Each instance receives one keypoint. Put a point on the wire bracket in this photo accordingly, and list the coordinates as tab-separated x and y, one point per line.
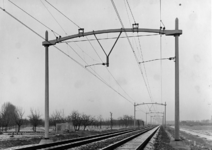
96	64
170	58
162	28
58	39
135	27
81	32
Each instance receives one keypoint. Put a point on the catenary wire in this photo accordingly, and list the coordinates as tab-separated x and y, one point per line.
140	48
112	74
90	44
53	17
141	110
54	46
84	51
145	73
131	48
93	74
65	54
131	11
127	12
21	22
135	43
126	1
62	14
48	28
144	65
76	25
67	43
93	48
160	12
161	22
146	82
33	17
66	33
83	60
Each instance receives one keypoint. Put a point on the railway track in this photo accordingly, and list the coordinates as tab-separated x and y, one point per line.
134	142
67	144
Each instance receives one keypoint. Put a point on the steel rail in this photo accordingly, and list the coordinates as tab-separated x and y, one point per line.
70	141
84	142
121	142
144	144
82	34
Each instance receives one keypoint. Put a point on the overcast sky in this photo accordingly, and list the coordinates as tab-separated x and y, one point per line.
72	87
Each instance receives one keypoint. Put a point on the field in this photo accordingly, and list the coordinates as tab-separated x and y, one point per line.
204	130
199	137
199	127
29	138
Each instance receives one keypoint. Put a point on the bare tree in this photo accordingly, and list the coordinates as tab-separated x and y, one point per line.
35	119
7	114
19	113
125	121
1	123
120	121
75	117
85	120
56	117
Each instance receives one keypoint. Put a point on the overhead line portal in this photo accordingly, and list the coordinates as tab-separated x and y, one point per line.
175	33
81	33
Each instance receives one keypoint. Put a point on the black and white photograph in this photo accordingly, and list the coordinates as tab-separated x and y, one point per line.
105	74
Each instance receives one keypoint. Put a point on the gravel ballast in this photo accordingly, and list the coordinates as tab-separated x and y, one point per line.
103	143
162	141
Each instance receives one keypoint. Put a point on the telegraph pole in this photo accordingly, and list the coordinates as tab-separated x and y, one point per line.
134	114
177	111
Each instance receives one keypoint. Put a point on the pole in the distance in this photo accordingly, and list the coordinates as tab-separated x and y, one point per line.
134	114
146	118
165	115
111	120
